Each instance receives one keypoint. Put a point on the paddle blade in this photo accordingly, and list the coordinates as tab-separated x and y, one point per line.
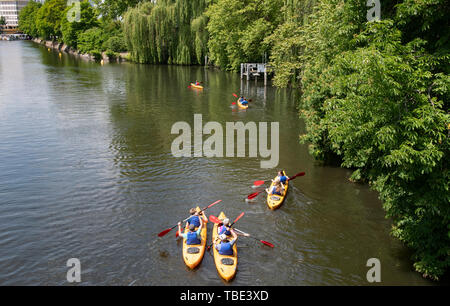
253	195
218	201
240	216
298	174
164	232
258	183
214	219
233	103
235	95
267	243
177	234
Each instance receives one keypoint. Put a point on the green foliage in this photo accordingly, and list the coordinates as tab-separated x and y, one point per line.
96	54
90	40
237	30
115	43
375	97
286	43
27	18
2	20
162	32
48	19
111	54
89	33
115	8
71	30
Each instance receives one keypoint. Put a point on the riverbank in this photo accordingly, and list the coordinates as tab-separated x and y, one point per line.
104	56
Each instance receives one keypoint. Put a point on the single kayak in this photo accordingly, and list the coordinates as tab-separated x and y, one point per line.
196	86
274	201
193	253
241	106
226	264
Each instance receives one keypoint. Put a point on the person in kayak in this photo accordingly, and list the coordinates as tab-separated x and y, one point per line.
225	227
243	101
225	246
277	189
281	177
194	218
197	83
193	236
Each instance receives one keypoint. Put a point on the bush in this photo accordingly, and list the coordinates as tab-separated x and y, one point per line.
115	43
111	55
96	54
91	39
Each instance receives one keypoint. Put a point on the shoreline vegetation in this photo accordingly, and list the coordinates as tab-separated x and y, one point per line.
374	94
96	57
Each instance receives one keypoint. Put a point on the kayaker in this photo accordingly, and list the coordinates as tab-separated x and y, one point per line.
281	177
224	227
277	189
225	246
243	101
193	236
195	217
197	83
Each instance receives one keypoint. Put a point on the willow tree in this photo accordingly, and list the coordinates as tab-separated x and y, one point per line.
168	32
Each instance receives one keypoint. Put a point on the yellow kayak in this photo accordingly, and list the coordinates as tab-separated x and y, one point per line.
193	253
241	106
196	86
275	201
226	264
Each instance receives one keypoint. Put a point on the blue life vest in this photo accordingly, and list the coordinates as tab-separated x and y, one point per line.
226	248
194	220
192	238
274	191
245	102
224	230
283	179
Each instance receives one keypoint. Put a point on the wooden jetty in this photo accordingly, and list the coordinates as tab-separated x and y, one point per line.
255	70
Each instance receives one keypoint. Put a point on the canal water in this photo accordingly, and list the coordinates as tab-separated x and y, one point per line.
86	171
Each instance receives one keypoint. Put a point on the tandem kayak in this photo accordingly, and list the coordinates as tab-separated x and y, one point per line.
226	264
196	86
274	201
241	106
193	253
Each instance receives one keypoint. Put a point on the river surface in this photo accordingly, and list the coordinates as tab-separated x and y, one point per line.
86	171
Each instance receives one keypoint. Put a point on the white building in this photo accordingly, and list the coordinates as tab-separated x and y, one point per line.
10	10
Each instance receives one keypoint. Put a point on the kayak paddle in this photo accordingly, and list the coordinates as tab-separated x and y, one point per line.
259	183
248	235
214	219
254	195
164	232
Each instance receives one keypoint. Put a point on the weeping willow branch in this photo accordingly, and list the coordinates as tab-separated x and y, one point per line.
167	32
